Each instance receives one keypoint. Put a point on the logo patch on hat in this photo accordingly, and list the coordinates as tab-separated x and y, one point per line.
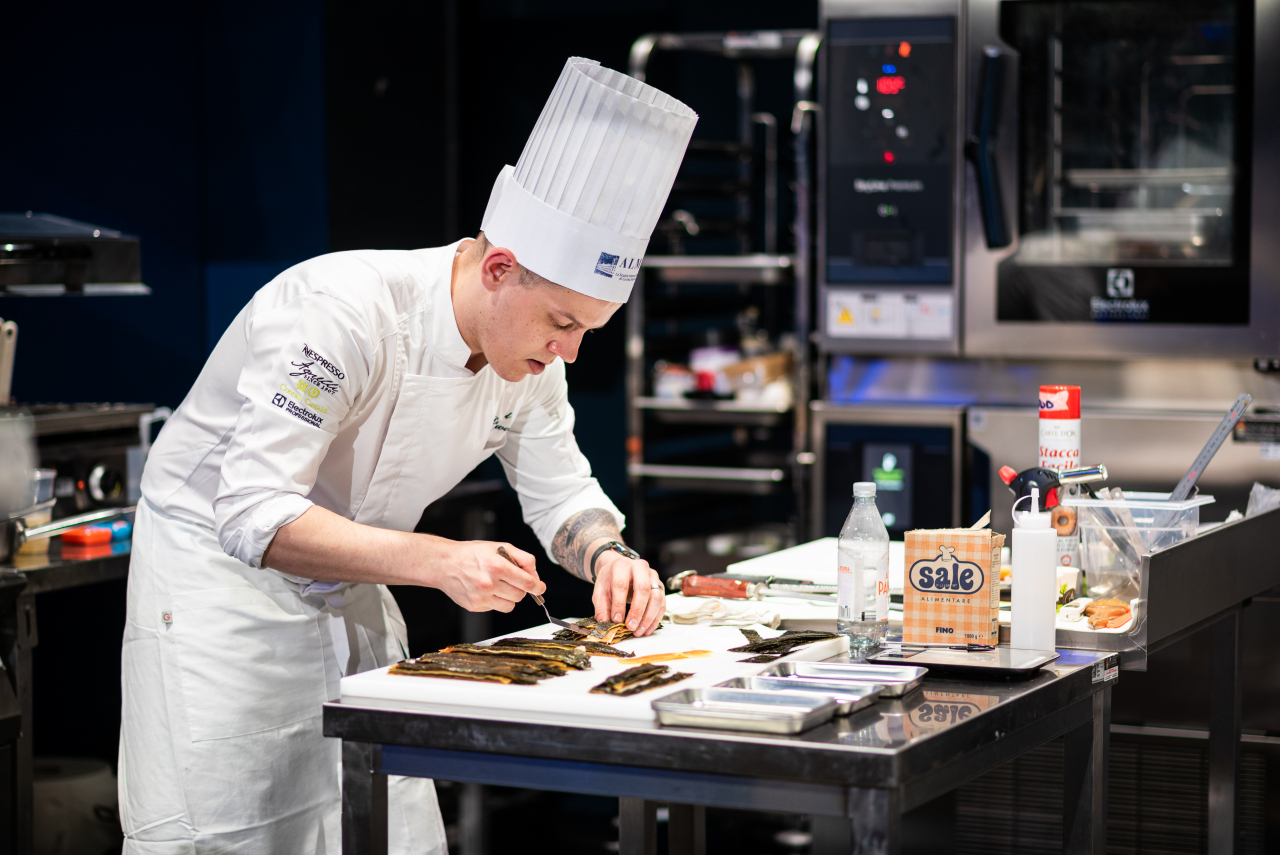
607	264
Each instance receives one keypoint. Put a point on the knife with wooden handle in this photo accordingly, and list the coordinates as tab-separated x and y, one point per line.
691	584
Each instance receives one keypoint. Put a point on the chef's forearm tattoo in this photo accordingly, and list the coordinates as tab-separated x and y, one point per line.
570	545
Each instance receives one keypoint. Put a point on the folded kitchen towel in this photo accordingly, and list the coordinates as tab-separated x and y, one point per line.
716	612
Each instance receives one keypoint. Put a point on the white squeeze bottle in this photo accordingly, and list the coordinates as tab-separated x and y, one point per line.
862	593
1034	609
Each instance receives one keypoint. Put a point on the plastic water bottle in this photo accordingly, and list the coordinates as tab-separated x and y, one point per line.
862	594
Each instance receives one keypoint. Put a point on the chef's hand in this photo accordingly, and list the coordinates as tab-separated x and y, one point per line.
619	579
481	580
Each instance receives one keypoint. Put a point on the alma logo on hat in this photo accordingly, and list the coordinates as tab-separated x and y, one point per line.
607	264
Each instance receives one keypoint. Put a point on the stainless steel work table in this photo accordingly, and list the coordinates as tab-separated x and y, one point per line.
865	770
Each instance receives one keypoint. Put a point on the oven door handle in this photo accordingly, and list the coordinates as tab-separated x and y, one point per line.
981	148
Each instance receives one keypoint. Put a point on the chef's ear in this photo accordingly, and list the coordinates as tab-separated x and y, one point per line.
499	267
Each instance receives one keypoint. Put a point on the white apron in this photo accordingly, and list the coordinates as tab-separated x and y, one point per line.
225	667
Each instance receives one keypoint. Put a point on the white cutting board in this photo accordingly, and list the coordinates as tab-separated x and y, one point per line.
568	697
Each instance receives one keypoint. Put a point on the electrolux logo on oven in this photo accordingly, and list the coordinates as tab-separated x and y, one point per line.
1120	283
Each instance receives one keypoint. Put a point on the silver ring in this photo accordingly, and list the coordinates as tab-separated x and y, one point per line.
655	587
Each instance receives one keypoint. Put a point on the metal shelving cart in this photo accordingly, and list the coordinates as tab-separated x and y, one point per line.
682	451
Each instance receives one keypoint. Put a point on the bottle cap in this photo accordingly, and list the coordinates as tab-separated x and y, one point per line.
1034	518
1028	519
864	488
1059	402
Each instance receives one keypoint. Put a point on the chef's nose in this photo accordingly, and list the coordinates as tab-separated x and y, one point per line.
567	347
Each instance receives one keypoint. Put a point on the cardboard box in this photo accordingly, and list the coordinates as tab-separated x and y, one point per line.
951	592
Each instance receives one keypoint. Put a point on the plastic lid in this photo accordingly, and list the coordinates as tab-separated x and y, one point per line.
1034	518
1027	519
864	488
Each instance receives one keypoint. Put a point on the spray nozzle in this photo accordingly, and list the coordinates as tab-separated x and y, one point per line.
1036	517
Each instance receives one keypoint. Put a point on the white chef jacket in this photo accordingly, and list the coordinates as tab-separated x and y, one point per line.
293	408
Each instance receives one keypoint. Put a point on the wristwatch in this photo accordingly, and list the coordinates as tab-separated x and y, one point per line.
620	548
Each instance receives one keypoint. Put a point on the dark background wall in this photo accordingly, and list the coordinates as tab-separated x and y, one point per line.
236	139
197	127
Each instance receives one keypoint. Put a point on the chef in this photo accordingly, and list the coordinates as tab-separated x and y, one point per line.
354	390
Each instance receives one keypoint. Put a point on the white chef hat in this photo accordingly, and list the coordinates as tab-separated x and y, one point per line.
579	206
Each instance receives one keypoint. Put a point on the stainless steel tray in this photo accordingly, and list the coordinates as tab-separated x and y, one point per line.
742	709
849	697
897	680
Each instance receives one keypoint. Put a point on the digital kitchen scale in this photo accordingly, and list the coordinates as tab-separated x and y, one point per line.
999	662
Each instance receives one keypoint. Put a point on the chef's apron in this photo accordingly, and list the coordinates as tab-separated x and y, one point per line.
225	667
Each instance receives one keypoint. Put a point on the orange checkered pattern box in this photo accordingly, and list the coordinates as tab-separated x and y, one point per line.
951	588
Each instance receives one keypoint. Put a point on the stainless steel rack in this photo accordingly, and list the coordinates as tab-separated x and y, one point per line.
754	477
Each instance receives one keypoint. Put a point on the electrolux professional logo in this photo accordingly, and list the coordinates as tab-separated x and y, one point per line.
1120	283
278	400
607	264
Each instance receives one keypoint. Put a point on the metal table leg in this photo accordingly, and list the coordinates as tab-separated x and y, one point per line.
364	800
687	830
1224	735
637	827
17	638
1086	757
473	820
873	826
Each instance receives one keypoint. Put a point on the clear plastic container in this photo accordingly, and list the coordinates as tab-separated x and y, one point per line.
1114	535
862	611
41	491
41	485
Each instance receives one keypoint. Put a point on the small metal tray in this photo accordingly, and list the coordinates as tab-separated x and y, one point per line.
849	698
896	680
742	709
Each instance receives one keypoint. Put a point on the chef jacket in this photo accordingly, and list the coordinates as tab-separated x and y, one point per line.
343	384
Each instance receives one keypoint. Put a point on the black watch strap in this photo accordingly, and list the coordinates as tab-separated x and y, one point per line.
620	548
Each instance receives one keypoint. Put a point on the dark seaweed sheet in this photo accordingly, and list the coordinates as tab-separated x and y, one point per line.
460	666
784	643
574	658
760	659
639	679
468	666
599	631
595	648
654	683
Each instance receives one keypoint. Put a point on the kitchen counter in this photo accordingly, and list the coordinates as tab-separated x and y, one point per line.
861	772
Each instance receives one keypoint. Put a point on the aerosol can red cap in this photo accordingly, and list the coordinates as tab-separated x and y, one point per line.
1007	474
1059	402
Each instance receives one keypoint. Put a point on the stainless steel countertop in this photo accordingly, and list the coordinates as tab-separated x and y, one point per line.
888	744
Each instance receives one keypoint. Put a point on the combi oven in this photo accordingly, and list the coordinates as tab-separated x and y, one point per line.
1052	178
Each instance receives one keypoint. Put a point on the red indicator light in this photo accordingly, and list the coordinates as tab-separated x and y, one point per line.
904	50
888	157
890	85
